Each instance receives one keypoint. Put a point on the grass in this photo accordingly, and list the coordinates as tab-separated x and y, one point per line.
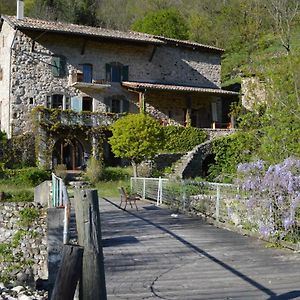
109	189
16	192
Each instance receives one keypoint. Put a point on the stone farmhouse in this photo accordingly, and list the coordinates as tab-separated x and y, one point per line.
64	82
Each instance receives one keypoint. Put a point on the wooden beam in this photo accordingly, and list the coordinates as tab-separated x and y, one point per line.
142	102
92	284
188	117
68	273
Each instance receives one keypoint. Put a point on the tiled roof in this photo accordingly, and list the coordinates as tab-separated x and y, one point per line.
74	29
97	32
188	44
175	88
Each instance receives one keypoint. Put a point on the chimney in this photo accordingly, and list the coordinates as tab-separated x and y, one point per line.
20	9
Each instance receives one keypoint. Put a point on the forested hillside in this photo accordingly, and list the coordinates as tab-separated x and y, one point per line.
261	39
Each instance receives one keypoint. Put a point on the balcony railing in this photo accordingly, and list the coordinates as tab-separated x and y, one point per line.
50	117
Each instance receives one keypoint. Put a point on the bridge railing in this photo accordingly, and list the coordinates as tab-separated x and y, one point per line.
225	203
61	199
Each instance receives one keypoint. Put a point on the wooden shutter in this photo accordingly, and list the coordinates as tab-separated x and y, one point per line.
76	103
125	105
108	72
55	66
58	64
125	73
87	73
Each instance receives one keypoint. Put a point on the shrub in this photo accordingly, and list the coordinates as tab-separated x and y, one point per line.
29	176
28	216
182	139
116	173
94	170
60	170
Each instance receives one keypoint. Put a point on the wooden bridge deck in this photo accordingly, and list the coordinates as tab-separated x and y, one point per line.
151	255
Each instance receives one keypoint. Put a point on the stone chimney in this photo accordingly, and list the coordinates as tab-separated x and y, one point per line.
20	9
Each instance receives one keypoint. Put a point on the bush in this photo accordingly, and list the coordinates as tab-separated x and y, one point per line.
116	173
29	176
94	170
60	170
182	139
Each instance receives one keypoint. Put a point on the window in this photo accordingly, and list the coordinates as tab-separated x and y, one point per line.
58	101
58	64
116	72
79	104
117	104
87	104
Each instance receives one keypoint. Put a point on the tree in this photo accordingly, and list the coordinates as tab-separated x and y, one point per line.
284	13
136	137
166	22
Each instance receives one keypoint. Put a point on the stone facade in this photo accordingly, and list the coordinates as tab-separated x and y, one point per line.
31	57
29	243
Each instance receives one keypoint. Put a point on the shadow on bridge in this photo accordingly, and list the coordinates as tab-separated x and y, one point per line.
272	296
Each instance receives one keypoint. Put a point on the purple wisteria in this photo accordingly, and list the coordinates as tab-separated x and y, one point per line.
273	197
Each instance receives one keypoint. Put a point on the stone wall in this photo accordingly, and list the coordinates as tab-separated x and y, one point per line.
27	243
32	80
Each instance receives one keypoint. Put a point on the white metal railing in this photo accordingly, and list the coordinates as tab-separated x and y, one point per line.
61	199
149	187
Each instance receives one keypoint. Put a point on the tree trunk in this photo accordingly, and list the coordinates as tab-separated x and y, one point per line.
134	166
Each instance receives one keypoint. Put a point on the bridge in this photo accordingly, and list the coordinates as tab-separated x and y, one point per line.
153	253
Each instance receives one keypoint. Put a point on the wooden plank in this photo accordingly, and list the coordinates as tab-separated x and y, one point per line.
68	274
92	284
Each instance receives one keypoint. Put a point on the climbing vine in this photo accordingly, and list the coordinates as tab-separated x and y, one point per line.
53	124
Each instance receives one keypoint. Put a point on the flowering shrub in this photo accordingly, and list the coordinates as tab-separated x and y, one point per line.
273	197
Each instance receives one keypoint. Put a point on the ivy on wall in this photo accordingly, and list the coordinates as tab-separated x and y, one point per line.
182	139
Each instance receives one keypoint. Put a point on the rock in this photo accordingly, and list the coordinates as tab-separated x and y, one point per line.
22	277
2	286
18	288
25	297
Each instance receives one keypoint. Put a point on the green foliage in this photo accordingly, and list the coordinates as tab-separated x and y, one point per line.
182	139
165	22
230	151
94	170
60	170
27	216
115	173
136	137
19	196
27	176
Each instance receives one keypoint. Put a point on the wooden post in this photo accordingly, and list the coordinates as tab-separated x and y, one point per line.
92	284
142	102
68	274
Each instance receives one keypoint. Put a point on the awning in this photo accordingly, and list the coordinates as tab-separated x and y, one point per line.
142	86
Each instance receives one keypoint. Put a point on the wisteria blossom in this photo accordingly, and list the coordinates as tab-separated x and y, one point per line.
273	196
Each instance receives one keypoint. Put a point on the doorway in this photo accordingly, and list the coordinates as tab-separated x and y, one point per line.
69	153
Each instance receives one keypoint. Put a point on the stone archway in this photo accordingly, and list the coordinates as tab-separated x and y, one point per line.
69	153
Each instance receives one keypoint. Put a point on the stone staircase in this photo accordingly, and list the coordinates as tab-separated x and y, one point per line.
190	165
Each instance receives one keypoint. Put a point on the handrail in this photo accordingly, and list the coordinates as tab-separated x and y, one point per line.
61	199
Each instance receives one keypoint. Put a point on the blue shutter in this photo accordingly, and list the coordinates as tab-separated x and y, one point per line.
125	73
76	103
87	73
